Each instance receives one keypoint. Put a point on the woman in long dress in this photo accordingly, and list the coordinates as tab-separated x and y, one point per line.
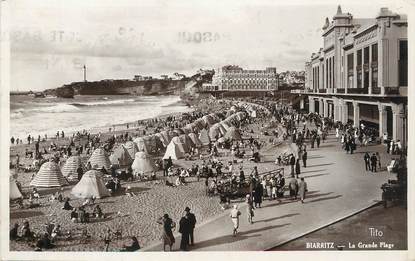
302	189
167	233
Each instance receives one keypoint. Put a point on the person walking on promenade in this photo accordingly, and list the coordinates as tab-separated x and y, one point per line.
302	189
249	209
318	141
378	160
107	239
373	161
184	229
304	158
312	141
366	158
192	220
293	186
235	213
167	233
292	164
258	194
297	168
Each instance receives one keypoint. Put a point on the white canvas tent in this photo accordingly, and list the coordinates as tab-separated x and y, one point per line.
121	157
143	163
204	137
49	175
14	190
173	151
91	185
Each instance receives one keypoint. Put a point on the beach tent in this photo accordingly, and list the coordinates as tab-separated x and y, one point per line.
71	166
209	120
131	148
142	145
173	151
188	128
184	138
183	147
197	143
179	131
49	175
226	125
14	190
199	124
91	185
163	139
233	134
121	157
215	132
99	159
155	143
143	163
204	137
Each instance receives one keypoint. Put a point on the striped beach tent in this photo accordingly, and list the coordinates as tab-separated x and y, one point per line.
49	175
99	159
195	140
131	148
121	157
141	145
183	147
165	141
184	138
91	185
143	163
14	190
71	166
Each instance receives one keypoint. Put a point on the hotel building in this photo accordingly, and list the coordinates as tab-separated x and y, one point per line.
234	78
361	72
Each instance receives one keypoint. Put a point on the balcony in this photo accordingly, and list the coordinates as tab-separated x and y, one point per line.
358	90
391	90
322	90
376	90
340	90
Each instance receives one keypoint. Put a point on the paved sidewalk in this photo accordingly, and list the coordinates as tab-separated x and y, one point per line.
338	185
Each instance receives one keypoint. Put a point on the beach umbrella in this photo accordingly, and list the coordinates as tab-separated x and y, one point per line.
91	185
99	159
173	151
143	163
121	157
49	175
131	148
233	134
70	168
14	192
197	143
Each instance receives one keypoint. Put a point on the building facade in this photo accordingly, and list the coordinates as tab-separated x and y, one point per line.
234	78
361	72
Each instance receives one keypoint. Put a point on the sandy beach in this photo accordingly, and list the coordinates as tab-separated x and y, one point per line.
137	215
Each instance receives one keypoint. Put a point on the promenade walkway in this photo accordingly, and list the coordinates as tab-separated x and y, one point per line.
338	187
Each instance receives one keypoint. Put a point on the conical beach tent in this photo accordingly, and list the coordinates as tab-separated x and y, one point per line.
99	159
91	185
121	157
184	138
71	166
195	140
49	175
143	163
173	151
14	190
183	147
204	137
131	148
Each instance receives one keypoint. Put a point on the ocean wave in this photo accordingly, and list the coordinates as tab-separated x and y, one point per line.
16	114
106	102
58	108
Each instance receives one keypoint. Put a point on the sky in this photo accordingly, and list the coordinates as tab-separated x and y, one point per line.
52	40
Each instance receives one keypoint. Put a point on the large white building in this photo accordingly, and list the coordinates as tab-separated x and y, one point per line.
361	72
234	78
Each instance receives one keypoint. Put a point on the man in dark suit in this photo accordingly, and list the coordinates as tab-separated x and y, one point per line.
184	229
192	224
373	161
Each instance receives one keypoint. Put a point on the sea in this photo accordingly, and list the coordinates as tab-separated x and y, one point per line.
95	113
